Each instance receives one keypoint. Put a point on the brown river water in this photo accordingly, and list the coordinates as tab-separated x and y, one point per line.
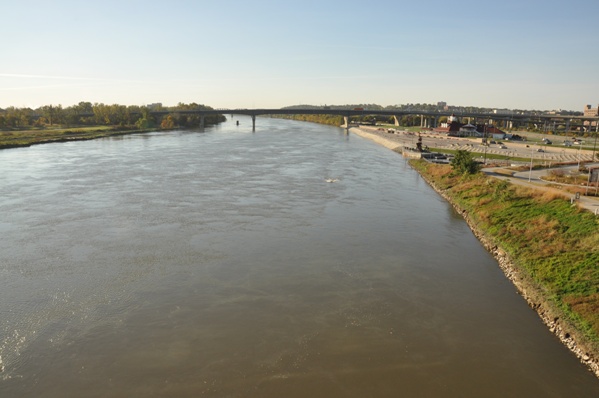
223	264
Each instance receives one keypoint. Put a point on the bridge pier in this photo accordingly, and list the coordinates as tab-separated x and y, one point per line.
426	122
346	123
253	122
202	122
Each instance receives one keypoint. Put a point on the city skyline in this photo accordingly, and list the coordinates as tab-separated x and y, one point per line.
267	54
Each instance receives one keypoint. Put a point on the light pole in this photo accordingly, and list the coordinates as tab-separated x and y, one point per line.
530	171
595	143
486	143
593	158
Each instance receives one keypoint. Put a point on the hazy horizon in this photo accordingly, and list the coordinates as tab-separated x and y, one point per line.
537	55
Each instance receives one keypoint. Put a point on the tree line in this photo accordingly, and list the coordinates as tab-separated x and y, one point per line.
88	114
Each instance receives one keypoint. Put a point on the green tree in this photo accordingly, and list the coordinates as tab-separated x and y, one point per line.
463	163
52	114
143	123
82	113
18	117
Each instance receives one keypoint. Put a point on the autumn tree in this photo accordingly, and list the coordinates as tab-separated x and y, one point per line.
167	122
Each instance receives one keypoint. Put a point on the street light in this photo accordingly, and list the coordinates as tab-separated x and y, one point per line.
588	182
486	143
530	171
595	144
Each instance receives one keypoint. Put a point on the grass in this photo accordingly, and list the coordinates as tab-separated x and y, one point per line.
554	243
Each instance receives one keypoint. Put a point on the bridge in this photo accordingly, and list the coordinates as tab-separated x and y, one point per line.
428	118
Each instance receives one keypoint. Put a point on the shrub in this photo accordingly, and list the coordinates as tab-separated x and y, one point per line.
463	163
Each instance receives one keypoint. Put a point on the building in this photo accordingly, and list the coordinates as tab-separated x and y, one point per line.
454	128
451	126
589	111
155	106
469	130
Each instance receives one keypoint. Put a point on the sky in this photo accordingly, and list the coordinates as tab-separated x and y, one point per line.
514	54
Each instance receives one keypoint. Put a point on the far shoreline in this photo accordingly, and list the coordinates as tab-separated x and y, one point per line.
551	316
69	135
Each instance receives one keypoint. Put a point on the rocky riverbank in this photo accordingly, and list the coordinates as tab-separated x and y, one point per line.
576	342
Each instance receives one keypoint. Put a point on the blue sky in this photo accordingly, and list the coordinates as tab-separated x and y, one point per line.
524	54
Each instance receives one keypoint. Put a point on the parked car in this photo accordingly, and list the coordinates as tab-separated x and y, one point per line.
568	143
540	150
502	146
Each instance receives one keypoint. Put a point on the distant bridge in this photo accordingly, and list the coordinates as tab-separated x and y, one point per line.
427	118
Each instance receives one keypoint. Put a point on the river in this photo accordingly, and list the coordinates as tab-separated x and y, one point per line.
223	264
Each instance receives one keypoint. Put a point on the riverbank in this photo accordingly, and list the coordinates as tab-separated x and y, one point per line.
27	138
540	297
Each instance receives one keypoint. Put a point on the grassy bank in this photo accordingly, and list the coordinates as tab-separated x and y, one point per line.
552	245
24	138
